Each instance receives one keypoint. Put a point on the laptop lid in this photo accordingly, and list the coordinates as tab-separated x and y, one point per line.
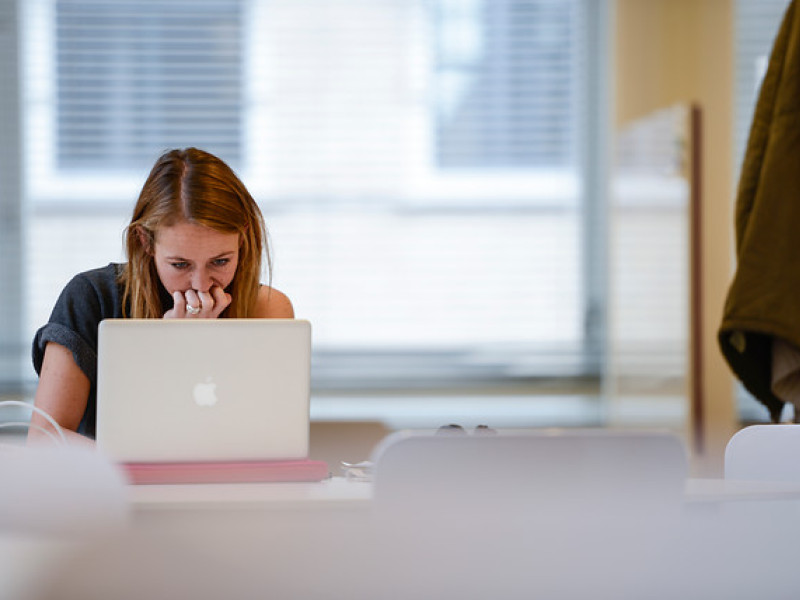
203	390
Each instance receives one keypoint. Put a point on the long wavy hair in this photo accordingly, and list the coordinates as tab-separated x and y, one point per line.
197	187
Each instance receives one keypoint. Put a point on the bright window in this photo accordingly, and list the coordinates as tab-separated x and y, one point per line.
420	164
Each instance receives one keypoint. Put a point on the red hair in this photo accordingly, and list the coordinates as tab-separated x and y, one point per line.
196	187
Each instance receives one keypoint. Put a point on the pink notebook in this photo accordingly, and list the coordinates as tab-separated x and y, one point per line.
226	471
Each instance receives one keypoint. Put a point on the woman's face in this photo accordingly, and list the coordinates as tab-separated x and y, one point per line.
194	257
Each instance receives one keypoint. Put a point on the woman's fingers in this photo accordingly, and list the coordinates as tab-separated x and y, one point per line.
206	304
193	304
178	310
221	299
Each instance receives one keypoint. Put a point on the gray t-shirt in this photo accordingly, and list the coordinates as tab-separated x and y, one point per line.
87	299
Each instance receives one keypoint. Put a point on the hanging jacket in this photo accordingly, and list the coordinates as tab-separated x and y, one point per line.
763	302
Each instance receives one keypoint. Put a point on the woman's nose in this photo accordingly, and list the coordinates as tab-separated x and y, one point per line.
201	281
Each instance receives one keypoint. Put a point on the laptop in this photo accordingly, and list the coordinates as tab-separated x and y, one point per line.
178	391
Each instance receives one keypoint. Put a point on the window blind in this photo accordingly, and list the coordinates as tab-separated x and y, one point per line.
416	162
757	24
506	83
135	77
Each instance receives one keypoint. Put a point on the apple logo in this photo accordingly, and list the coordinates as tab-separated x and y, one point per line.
205	393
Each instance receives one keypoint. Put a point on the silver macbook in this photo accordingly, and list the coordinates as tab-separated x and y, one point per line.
203	390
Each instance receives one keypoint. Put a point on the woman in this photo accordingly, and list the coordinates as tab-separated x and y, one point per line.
194	250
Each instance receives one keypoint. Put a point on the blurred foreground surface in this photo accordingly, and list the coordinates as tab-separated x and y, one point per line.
494	533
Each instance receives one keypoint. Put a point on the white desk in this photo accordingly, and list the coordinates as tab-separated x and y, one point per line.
727	490
340	493
333	493
312	540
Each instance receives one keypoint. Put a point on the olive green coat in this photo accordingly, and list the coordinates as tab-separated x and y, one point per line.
764	296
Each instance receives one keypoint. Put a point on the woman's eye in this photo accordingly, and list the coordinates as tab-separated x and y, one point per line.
221	262
180	264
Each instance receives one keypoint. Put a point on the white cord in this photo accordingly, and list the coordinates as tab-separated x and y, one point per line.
47	432
39	411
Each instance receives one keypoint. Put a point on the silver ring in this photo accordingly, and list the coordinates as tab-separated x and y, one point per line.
192	310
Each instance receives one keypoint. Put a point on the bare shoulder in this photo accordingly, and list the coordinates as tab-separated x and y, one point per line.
273	304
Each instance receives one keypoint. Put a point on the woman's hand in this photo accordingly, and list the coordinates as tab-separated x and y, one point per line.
192	304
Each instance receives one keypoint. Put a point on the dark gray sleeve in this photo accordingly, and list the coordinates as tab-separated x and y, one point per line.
83	352
86	300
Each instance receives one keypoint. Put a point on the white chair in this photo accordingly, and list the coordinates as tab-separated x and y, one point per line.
764	453
543	513
59	490
540	474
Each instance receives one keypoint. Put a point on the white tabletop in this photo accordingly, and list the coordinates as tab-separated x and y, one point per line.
731	490
252	543
341	493
332	493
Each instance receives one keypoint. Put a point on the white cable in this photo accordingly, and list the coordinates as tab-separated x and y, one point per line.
39	411
47	432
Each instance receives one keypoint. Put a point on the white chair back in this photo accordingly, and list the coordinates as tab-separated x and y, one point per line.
534	475
57	489
61	491
764	453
